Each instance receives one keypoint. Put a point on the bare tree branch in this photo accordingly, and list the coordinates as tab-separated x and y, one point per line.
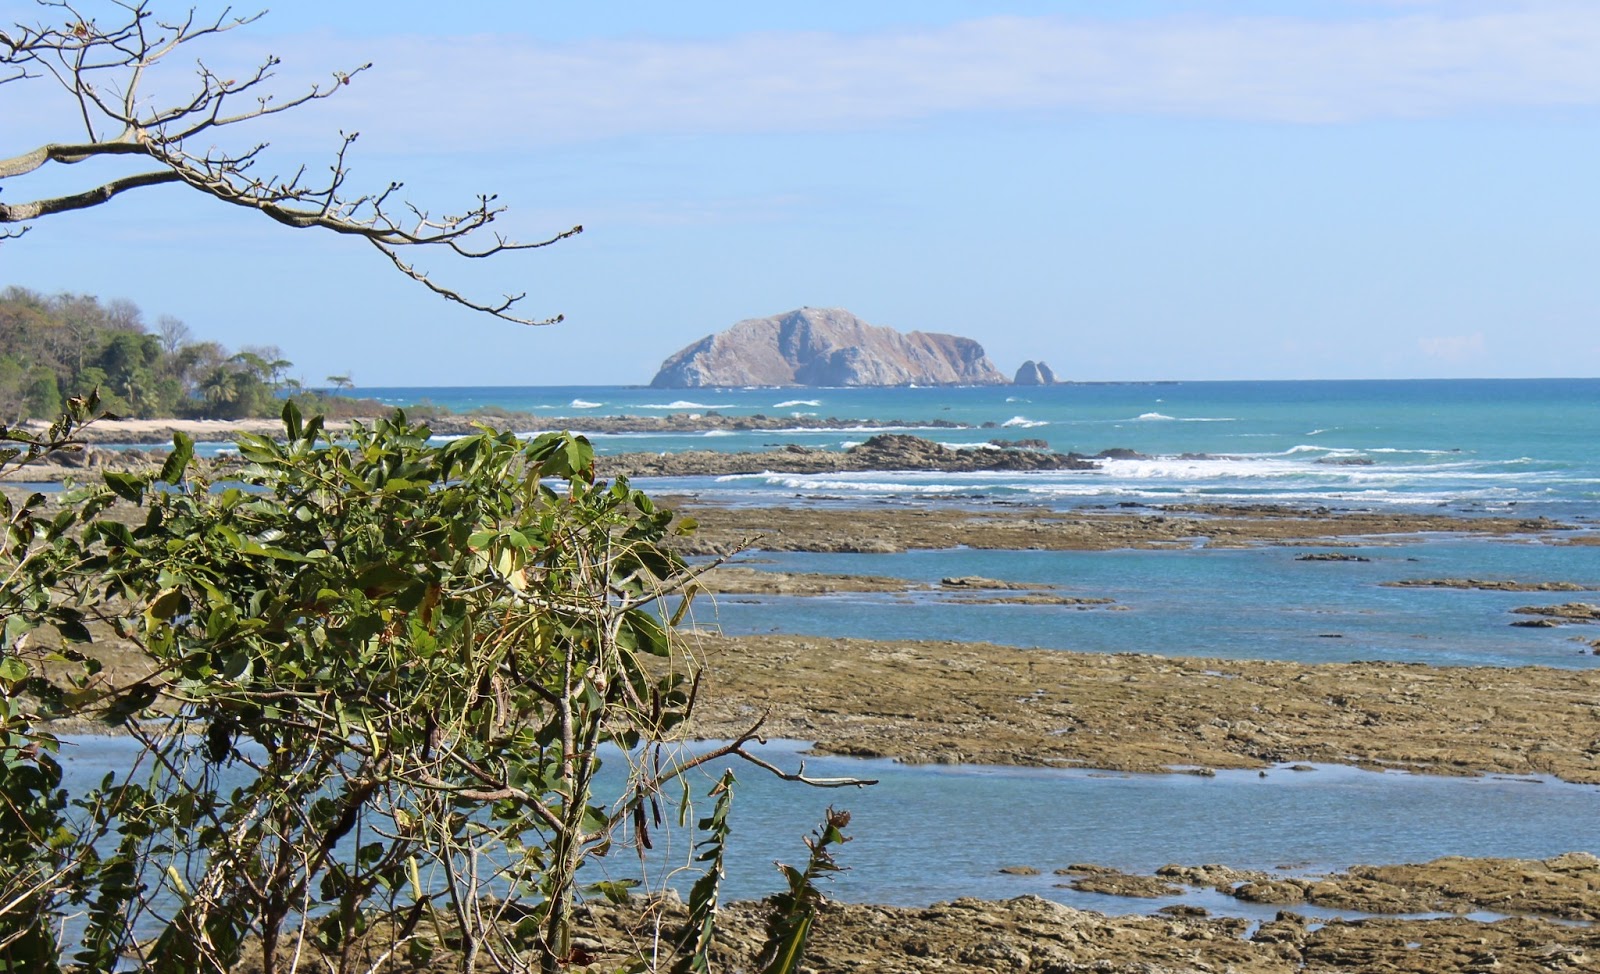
14	213
103	69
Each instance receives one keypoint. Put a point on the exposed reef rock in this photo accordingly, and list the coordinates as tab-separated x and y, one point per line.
1035	374
825	347
1496	585
886	451
1032	935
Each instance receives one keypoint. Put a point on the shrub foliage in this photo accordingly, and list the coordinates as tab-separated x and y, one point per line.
375	680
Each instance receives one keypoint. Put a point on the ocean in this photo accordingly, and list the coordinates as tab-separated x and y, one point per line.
1526	445
1526	448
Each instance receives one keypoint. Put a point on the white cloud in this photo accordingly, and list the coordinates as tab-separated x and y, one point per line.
508	91
512	90
1453	349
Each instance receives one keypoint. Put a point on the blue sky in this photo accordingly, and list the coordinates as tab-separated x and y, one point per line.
1148	189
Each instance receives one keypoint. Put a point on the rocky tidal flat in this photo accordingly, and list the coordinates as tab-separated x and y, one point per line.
935	702
1032	934
803	527
923	701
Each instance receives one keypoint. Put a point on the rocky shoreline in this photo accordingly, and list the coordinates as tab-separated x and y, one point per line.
886	451
1538	901
156	432
930	701
924	701
889	529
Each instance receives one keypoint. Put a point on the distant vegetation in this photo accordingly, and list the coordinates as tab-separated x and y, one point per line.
57	346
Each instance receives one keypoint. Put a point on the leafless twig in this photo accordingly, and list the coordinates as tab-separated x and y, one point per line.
103	69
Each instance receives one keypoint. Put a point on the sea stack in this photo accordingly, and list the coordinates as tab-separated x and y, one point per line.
1034	374
826	347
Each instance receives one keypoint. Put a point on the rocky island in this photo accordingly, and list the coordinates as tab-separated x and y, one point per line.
825	347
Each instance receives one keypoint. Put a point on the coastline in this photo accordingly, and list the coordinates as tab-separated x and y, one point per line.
923	701
156	432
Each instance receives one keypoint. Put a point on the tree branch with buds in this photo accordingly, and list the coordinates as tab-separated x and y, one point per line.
103	70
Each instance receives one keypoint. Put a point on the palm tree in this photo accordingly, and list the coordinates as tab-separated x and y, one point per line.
220	386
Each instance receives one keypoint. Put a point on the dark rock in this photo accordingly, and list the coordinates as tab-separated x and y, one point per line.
825	347
1489	586
1555	615
979	582
886	451
1331	556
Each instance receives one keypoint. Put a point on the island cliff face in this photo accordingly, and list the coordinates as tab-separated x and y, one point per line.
825	347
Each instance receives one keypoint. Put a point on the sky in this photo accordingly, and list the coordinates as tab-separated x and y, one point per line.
1139	190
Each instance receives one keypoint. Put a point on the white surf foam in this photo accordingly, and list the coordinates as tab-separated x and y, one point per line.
684	404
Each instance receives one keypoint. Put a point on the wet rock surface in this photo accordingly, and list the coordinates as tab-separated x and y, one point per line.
1491	585
1565	887
1035	936
938	702
886	451
813	527
1567	612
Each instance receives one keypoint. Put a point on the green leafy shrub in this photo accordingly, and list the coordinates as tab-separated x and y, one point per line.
375	679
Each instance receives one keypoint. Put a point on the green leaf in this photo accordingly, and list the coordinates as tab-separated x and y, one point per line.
113	533
167	603
291	421
615	891
382	579
266	551
646	633
12	669
69	622
126	485
177	460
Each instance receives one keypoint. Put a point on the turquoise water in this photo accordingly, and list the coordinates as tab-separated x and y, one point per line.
1469	445
1258	603
1507	447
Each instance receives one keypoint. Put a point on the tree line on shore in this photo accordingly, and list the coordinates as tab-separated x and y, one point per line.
54	347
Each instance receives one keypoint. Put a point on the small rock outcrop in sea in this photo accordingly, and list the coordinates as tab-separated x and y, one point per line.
1034	374
886	451
825	347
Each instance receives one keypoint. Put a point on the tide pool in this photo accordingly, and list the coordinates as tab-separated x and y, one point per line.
1253	603
928	833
